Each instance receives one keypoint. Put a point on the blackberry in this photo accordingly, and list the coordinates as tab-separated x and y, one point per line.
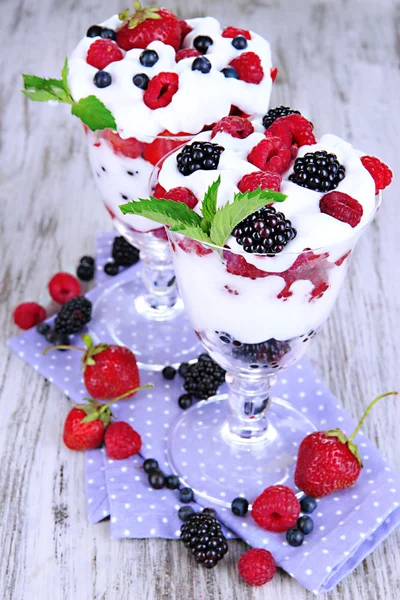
268	353
202	534
202	43
276	113
204	378
124	253
199	156
73	315
318	171
264	232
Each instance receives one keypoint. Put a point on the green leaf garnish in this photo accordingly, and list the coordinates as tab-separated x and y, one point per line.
193	232
166	212
93	113
209	206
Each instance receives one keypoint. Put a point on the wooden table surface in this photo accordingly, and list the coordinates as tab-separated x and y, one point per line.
339	63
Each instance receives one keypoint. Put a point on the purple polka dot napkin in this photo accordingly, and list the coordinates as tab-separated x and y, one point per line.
347	526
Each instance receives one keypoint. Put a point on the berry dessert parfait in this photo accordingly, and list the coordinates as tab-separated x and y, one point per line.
143	83
259	262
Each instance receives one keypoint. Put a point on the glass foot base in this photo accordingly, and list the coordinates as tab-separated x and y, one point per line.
219	468
156	337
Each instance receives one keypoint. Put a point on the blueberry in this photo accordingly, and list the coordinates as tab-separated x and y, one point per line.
156	480
172	482
141	81
185	512
111	269
94	31
240	506
57	339
150	464
148	58
87	260
305	524
239	42
202	43
102	79
294	537
168	372
108	34
85	272
183	369
202	64
308	504
186	495
185	401
230	72
43	328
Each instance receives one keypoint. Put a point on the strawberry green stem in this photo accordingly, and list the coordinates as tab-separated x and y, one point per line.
129	393
357	429
61	347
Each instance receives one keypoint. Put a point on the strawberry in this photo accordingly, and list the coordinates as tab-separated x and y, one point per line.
329	461
162	145
130	147
122	441
146	25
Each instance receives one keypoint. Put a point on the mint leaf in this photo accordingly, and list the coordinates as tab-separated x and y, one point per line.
209	206
43	90
93	113
193	232
166	212
243	205
64	75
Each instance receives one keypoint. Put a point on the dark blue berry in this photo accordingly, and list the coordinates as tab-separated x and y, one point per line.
87	260
57	339
111	269
85	272
183	369
305	524
202	43
202	64
94	31
172	482
102	79
239	42
43	328
186	495
240	506
209	511
150	464
141	81
168	372
156	480
294	537
185	401
148	58
108	34
308	504
185	512
230	72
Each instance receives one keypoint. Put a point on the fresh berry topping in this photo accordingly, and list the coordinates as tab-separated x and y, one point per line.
202	534
204	378
102	79
342	207
380	172
156	480
141	81
231	32
108	34
168	373
185	29
273	72
186	495
186	53
63	287
271	154
308	504
147	25
264	232
294	130
276	509
28	314
202	43
88	435
150	464
192	247
239	507
202	64
130	147
148	58
275	113
111	269
73	315
256	566
57	339
264	353
248	65
185	401
239	42
85	272
172	482
183	369
103	52
159	191
87	260
264	181
209	511
124	254
121	441
294	537
161	90
181	194
198	156
230	73
185	512
318	171
305	524
43	328
94	31
237	127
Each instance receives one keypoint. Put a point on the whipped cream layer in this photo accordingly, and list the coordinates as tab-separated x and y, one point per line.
202	99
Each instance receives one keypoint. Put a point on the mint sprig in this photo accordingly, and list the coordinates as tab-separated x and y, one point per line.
90	110
166	212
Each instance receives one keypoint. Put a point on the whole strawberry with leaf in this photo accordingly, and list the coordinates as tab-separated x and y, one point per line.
329	461
146	25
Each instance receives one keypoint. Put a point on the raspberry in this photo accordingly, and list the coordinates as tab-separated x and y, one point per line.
275	113
186	53
73	315
237	127
271	154
265	181
380	172
264	232
276	509
248	66
159	191
185	29
182	194
130	147
256	566
190	246
273	72
342	207
231	32
162	145
292	129
103	52
122	441
238	265
63	287
161	90
28	314
160	233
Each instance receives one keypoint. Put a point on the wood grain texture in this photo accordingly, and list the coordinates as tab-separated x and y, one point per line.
339	63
